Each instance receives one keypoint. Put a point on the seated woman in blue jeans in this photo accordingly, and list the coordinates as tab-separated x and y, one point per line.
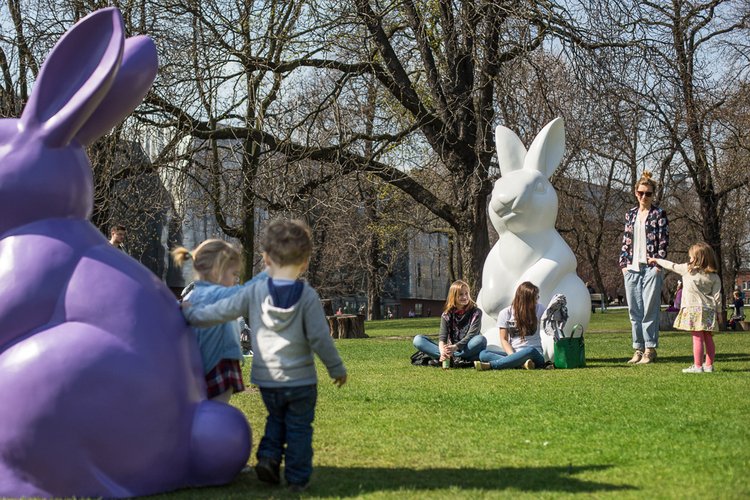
519	333
460	338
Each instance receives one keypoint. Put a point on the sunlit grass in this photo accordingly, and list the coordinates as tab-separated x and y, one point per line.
607	431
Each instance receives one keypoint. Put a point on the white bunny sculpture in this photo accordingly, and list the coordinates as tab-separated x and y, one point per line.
523	210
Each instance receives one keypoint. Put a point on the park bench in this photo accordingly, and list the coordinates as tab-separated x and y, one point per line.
599	300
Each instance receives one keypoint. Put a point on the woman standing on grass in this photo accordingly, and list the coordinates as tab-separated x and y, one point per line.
519	333
460	339
646	236
701	302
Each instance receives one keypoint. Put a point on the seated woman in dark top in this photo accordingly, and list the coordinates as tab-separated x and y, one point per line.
460	339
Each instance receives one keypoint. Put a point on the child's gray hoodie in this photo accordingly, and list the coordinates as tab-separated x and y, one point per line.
283	339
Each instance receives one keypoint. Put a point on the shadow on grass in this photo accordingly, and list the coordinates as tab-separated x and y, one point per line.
354	481
720	358
345	482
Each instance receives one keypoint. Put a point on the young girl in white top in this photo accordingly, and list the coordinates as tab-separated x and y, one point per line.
701	302
519	333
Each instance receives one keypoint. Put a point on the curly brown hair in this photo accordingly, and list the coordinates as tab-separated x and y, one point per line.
287	241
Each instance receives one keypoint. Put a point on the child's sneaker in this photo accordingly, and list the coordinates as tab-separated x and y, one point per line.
708	368
694	369
297	488
267	470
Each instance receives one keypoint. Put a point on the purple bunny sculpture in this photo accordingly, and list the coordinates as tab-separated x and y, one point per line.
101	388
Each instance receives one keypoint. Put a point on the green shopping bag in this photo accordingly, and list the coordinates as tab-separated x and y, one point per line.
570	352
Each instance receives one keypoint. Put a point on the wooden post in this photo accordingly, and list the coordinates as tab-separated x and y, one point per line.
327	306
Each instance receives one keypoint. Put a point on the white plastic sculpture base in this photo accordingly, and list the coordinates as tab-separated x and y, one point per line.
523	210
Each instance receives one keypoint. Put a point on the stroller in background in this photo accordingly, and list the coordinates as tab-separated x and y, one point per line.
734	321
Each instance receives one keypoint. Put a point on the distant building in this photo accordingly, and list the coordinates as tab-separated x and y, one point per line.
419	283
421	279
145	207
742	281
192	218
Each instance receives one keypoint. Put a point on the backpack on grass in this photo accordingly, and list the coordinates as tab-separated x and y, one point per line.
420	359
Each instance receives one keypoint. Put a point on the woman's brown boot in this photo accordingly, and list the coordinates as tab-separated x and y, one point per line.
648	357
636	357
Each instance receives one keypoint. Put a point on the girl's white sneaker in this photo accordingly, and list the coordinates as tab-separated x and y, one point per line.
708	368
694	369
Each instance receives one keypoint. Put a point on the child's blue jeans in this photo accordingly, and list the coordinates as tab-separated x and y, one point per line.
291	411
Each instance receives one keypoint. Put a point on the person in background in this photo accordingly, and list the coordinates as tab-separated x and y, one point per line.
646	236
117	234
701	303
519	333
739	304
592	291
460	340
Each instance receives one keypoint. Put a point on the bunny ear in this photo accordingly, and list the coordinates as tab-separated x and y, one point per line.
548	148
134	78
75	77
510	150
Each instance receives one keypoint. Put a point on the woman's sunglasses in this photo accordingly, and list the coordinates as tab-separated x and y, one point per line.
647	194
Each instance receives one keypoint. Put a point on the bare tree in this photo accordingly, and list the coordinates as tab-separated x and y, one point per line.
680	40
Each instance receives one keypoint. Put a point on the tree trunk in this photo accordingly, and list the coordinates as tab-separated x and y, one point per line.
474	242
247	231
369	198
347	326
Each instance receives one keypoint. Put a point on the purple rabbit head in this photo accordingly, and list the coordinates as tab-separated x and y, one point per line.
90	81
102	393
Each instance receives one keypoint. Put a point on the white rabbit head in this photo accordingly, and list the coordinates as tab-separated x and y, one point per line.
523	200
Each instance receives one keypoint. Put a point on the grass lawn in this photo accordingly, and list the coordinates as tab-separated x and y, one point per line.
606	431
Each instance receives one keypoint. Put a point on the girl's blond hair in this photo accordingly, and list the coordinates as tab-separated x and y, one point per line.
702	258
210	259
453	292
